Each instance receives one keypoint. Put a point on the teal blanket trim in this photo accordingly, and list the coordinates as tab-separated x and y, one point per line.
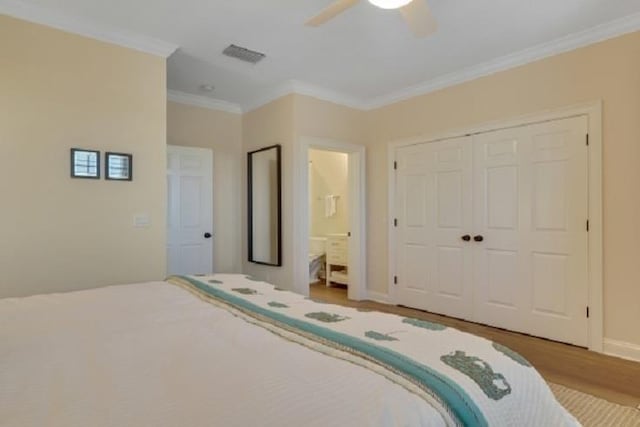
449	392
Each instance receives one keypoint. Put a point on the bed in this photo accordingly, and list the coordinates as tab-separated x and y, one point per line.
228	350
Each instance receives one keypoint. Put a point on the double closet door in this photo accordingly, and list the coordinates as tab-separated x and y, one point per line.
492	228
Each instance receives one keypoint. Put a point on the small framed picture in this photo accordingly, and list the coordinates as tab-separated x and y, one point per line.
118	166
85	163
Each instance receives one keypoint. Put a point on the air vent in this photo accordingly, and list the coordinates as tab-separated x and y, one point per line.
243	54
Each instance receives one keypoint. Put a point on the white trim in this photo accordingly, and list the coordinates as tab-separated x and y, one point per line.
203	101
391	209
268	96
301	88
380	297
622	349
593	110
84	27
567	43
357	214
564	44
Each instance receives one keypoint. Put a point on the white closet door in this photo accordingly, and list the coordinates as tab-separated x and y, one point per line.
558	239
433	204
521	195
501	208
530	270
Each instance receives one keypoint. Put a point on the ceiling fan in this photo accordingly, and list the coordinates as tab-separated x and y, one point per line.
416	14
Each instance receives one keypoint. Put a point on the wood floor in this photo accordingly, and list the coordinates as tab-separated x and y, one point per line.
610	378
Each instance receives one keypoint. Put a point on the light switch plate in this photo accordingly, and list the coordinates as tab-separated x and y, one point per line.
142	220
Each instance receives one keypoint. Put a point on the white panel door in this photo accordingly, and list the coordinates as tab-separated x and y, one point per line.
501	211
433	204
189	210
530	207
520	194
558	236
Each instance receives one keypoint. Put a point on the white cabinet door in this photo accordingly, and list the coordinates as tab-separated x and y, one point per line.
521	194
189	210
433	205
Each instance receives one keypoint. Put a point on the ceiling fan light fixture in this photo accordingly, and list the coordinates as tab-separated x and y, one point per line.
390	4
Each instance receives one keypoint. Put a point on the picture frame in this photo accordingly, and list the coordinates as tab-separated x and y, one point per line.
118	166
85	163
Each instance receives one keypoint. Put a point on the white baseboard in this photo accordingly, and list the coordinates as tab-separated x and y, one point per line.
378	297
622	349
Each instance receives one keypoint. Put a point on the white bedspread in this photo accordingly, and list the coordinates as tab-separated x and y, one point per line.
153	354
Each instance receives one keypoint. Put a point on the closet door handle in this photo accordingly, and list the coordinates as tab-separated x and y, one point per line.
466	238
478	238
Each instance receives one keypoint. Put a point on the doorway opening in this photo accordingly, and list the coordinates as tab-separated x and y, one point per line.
328	217
329	238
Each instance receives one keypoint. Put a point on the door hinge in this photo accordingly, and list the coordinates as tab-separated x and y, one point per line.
395	280
395	165
395	222
587	139
587	225
587	312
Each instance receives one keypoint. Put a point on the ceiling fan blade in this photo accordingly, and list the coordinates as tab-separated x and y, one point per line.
419	18
330	12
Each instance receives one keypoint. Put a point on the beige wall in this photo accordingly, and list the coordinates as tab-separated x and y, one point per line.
328	175
609	71
323	119
284	121
59	91
222	133
269	125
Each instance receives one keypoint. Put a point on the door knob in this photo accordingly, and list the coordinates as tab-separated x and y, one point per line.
466	237
207	235
478	238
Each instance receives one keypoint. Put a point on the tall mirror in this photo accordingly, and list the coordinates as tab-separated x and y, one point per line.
265	196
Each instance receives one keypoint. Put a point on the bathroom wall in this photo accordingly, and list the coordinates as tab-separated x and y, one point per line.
328	175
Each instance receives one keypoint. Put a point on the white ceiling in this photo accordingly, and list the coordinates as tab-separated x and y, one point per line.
362	57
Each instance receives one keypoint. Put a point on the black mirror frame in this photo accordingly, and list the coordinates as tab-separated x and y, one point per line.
278	149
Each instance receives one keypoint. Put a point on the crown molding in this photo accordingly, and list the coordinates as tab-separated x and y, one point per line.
203	102
21	10
84	27
287	88
302	88
564	44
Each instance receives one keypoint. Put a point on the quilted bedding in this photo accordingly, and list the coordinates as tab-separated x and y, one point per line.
226	350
